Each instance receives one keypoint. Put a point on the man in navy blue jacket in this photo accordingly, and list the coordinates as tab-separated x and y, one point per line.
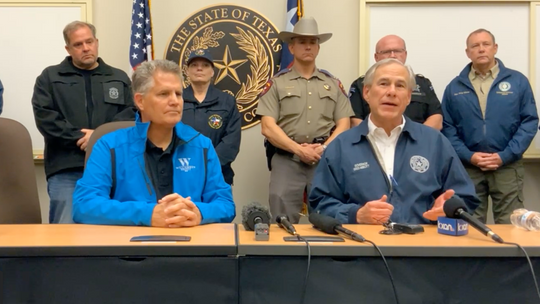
490	118
389	167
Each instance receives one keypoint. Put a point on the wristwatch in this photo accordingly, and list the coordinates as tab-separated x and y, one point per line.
324	147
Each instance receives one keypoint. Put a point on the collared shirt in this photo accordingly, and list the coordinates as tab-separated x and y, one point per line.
159	165
304	108
386	144
482	84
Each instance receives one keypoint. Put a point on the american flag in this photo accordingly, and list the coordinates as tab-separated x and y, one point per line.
141	46
295	11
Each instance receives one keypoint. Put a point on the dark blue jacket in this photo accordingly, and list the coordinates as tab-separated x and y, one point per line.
197	174
510	123
217	118
425	165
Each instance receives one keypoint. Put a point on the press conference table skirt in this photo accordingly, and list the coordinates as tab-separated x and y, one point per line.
427	268
224	264
86	264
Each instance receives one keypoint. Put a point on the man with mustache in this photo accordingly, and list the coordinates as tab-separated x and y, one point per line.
300	106
70	100
490	118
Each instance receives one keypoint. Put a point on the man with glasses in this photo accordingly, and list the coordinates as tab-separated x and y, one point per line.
425	107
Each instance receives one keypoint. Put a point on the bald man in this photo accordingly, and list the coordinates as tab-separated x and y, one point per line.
424	108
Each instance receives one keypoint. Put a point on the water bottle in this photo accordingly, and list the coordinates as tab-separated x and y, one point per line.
525	219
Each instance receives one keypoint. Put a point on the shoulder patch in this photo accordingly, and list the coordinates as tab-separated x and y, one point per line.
325	72
267	87
282	72
340	85
423	81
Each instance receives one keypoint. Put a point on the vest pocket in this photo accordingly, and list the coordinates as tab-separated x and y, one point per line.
113	92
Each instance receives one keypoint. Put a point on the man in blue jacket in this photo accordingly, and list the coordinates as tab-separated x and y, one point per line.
389	167
159	173
490	118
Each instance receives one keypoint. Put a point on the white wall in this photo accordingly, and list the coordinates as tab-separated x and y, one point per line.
340	56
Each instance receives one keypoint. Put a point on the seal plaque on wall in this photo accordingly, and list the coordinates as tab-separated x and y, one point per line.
244	46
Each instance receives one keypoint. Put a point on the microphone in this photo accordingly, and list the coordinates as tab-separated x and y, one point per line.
257	218
283	222
455	208
332	226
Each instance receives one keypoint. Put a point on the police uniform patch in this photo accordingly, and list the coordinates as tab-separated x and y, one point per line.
215	121
352	90
267	87
504	86
419	164
113	93
341	87
326	86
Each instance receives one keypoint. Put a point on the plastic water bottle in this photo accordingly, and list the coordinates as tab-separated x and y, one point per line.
523	218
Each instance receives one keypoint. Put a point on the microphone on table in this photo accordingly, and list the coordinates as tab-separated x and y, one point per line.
455	208
284	223
257	218
332	226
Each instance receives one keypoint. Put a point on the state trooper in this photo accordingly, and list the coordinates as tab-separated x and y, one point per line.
302	110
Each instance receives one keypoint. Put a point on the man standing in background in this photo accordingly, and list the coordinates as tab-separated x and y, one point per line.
425	107
70	100
299	108
490	118
1	97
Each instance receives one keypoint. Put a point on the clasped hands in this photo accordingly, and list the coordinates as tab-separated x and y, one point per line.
379	211
310	153
486	161
174	211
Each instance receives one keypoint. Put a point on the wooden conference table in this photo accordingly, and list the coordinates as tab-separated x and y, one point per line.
224	264
98	264
427	268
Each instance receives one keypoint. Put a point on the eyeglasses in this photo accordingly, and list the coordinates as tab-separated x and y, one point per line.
388	52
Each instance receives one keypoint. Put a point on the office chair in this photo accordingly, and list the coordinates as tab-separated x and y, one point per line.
102	130
19	199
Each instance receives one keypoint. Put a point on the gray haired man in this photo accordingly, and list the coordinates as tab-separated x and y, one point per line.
70	100
166	173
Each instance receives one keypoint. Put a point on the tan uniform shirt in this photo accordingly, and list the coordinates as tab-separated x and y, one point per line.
304	108
482	84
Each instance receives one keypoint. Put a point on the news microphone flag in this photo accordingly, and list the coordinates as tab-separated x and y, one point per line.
295	11
450	226
141	46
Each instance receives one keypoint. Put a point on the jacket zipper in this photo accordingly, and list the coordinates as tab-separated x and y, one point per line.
146	179
378	157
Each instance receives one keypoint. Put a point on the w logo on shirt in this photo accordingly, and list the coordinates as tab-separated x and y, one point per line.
184	164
